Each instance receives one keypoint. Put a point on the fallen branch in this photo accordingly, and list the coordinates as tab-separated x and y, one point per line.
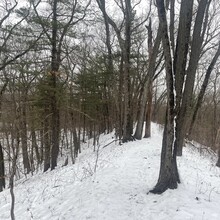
111	143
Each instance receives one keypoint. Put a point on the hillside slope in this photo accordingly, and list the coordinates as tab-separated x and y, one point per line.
118	190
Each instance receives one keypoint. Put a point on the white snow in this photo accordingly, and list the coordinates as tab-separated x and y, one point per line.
118	190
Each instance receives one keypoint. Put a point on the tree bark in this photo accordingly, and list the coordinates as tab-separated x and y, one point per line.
23	125
168	176
2	169
127	120
55	63
183	113
148	113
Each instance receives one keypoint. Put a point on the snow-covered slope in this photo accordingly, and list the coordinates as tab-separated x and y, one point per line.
118	190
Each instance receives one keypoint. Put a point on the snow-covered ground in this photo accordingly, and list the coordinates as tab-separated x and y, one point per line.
118	190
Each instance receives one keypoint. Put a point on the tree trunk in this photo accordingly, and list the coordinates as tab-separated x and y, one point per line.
46	140
153	52
55	63
23	135
185	94
217	145
2	169
203	89
148	113
127	120
2	162
35	146
168	177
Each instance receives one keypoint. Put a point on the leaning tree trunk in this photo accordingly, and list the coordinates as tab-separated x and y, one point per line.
203	89
145	98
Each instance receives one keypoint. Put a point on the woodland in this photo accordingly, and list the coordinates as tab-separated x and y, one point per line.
71	70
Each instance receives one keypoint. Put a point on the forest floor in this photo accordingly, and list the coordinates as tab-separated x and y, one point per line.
119	189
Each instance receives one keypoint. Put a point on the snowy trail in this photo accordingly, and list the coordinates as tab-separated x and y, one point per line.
119	189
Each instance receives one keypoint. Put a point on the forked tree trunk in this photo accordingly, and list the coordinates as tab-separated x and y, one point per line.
168	177
184	93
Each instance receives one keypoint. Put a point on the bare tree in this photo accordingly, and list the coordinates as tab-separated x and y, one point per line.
168	177
180	79
124	32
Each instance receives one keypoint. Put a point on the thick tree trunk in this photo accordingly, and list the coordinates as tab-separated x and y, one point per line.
127	120
185	94
53	78
218	162
168	177
180	59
